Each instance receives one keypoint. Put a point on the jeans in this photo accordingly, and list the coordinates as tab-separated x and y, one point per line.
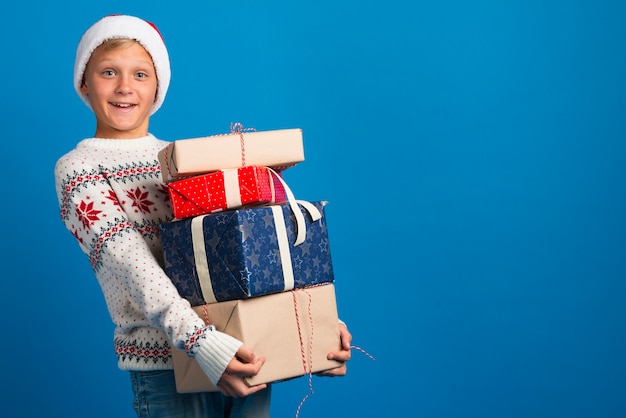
156	397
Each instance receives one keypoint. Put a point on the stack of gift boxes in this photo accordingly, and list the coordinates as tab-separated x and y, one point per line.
250	258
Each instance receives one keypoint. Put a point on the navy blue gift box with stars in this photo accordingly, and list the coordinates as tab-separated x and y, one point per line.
245	253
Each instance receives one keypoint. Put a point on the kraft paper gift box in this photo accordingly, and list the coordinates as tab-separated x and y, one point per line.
225	189
279	149
272	326
243	253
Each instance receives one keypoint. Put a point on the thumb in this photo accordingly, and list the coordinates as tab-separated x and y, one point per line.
246	355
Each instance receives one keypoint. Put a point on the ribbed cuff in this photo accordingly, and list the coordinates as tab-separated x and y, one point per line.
214	352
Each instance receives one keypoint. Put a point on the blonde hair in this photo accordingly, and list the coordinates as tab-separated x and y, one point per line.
113	43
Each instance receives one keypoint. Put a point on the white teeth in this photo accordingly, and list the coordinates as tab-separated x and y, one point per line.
122	104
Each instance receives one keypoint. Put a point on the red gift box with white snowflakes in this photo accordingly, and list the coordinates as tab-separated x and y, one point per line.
225	189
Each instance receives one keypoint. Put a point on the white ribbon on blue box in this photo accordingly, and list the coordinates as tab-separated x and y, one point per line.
282	240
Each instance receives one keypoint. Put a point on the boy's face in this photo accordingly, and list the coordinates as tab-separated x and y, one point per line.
121	84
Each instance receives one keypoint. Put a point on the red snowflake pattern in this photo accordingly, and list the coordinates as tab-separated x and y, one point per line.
140	200
112	197
87	214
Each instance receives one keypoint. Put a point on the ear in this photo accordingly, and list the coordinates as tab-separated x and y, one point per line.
84	89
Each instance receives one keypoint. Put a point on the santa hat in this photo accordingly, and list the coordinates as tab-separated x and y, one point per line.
123	26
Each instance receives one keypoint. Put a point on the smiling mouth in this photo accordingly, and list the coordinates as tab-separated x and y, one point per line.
123	105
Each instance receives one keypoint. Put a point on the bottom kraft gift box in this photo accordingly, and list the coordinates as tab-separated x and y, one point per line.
294	330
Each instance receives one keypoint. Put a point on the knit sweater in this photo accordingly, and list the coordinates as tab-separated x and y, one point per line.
112	199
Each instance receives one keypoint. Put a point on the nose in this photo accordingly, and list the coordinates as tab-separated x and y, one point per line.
124	85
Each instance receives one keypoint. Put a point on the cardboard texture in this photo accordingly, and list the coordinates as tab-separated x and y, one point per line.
272	327
239	254
225	189
279	149
188	375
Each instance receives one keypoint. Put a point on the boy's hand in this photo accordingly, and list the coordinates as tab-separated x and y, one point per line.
342	356
244	364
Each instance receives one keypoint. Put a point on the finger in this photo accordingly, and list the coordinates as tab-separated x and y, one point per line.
345	342
255	389
337	371
236	387
346	337
238	368
342	356
245	354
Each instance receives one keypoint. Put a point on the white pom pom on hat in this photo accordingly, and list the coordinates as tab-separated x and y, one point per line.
124	26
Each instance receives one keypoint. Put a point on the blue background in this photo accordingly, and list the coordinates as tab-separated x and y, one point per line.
473	154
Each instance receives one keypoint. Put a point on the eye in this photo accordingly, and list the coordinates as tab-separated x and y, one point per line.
108	73
141	74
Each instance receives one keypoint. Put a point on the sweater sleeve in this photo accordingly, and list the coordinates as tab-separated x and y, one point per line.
95	210
212	353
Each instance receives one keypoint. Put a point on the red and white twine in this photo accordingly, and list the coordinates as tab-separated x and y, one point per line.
307	362
307	370
235	128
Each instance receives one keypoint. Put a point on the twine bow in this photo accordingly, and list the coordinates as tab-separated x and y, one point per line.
235	128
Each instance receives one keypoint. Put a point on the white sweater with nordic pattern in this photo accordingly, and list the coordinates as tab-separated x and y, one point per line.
112	199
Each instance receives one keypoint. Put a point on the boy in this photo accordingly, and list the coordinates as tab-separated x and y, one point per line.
112	200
